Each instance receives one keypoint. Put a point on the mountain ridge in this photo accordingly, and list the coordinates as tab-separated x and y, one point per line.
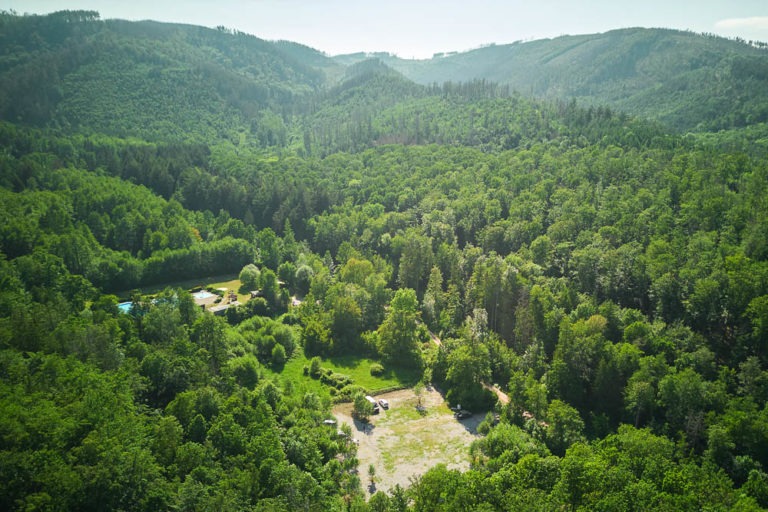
634	70
169	77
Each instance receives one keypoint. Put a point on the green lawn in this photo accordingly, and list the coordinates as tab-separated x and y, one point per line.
358	368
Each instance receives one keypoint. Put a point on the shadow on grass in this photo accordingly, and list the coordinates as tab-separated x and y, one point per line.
347	362
408	377
402	376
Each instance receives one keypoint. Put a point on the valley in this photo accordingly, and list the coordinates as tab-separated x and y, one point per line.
567	237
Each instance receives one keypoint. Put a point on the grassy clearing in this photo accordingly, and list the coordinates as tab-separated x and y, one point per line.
232	284
229	281
358	368
405	442
413	436
409	449
400	415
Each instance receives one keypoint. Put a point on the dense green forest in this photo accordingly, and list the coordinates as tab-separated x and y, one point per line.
608	271
689	81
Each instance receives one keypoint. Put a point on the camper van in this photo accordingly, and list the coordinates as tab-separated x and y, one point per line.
373	403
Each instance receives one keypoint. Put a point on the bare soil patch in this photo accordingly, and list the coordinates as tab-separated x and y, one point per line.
403	442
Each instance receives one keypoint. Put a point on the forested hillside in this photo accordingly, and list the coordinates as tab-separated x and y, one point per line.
685	80
608	274
70	70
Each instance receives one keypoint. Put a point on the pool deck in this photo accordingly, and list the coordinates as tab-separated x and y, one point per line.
205	303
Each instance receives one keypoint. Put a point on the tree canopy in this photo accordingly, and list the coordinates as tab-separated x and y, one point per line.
596	281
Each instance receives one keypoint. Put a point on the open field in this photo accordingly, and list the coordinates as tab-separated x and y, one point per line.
403	443
232	284
358	368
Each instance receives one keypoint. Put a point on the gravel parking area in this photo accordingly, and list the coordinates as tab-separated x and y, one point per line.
403	442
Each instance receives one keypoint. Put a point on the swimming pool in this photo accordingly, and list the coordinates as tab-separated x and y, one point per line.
202	294
125	307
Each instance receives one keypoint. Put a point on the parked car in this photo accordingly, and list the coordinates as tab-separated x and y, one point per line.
383	403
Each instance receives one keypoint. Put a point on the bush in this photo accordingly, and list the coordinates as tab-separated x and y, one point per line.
284	336
377	369
314	367
278	354
347	393
289	318
485	426
249	278
264	345
245	369
257	307
336	380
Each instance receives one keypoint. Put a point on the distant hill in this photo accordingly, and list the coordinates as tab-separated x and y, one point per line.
73	71
686	80
148	79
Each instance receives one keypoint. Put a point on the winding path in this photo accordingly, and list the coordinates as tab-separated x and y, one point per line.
502	396
435	339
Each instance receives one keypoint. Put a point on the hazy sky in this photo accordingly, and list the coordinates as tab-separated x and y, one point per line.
419	28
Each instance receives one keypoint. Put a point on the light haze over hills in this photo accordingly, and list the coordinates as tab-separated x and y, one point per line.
421	29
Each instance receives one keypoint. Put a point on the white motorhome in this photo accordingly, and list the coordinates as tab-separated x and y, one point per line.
373	403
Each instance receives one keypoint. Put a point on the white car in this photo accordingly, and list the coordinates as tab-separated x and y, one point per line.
383	403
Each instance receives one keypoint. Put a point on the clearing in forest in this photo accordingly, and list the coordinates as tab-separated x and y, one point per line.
403	443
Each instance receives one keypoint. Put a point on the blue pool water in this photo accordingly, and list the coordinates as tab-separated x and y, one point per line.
125	307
